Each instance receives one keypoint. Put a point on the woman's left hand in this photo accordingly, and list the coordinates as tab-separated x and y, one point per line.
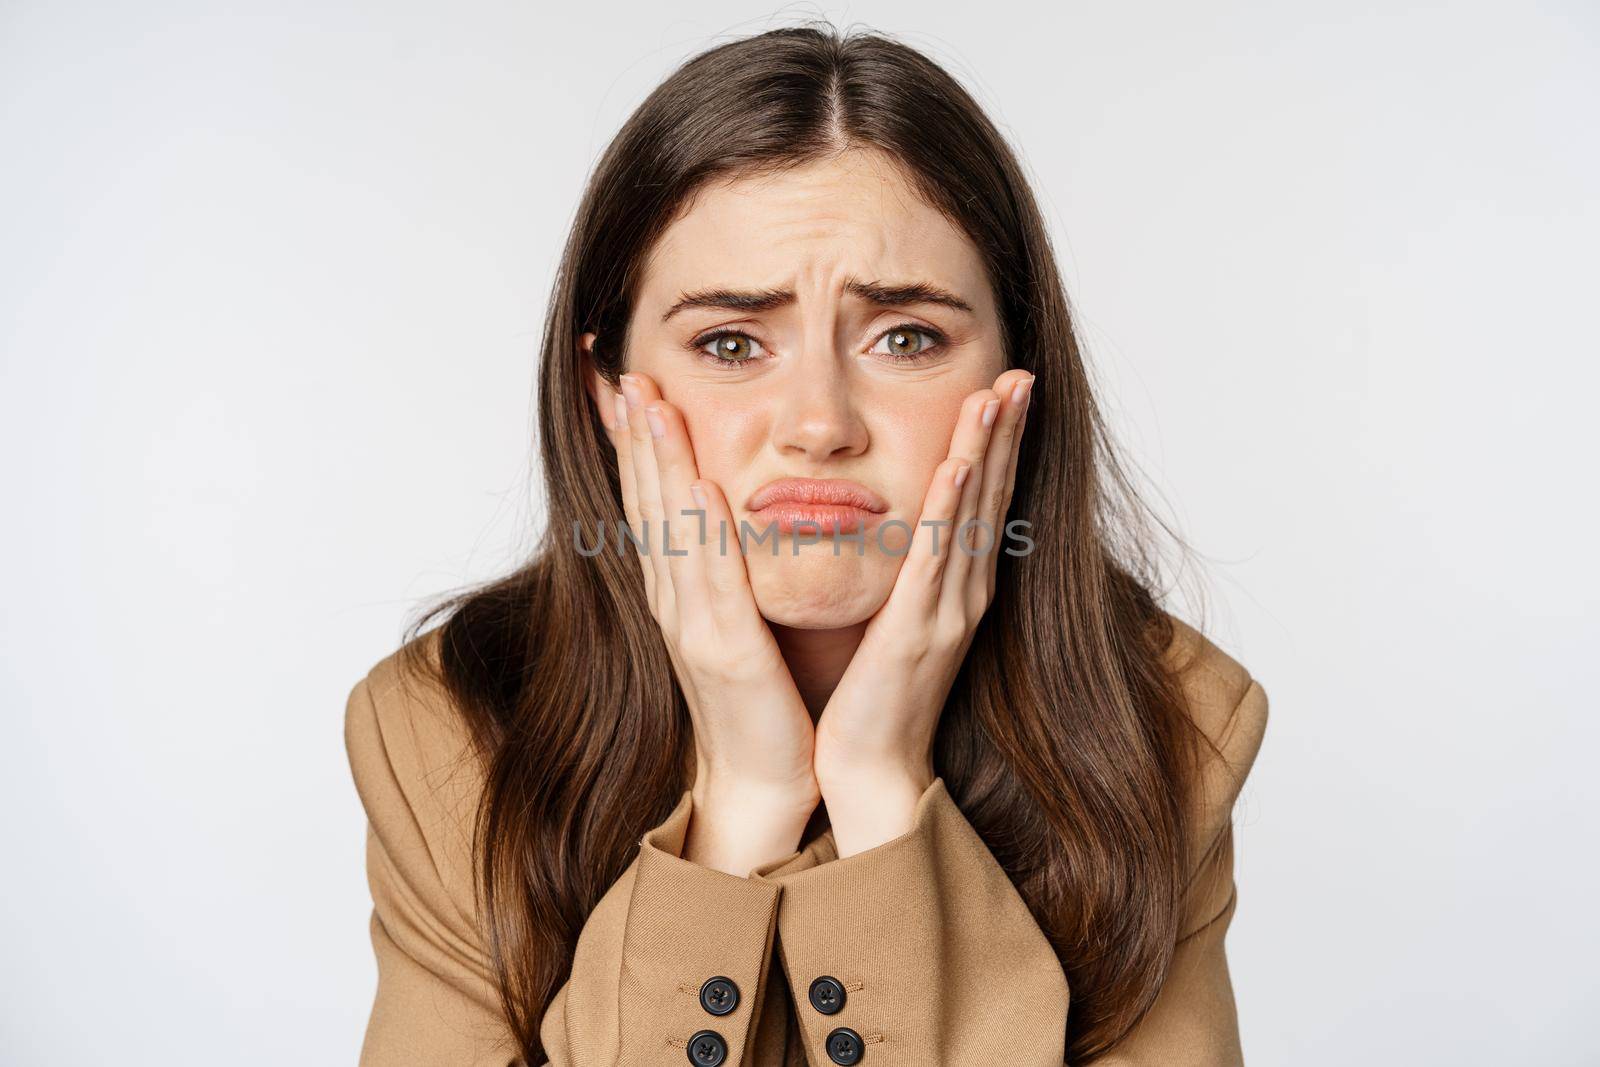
874	741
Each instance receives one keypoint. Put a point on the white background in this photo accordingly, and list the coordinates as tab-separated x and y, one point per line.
271	284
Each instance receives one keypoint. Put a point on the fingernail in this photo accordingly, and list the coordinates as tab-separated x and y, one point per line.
658	425
961	474
698	493
1019	395
989	410
630	389
621	408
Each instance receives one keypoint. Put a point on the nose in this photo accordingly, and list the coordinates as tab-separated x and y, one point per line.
817	418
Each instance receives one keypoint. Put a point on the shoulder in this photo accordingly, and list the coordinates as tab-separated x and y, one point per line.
415	767
1225	701
1229	707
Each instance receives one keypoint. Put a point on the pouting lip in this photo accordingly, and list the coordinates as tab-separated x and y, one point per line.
839	492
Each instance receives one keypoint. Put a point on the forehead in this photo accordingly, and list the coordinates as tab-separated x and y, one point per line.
855	214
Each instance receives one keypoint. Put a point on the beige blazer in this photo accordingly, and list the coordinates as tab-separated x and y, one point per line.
933	956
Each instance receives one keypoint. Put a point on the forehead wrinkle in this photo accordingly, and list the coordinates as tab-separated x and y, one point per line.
887	238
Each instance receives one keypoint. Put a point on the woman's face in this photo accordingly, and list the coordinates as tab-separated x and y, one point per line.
842	371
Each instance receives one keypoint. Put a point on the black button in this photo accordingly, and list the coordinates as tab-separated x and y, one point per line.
719	995
827	995
844	1045
707	1048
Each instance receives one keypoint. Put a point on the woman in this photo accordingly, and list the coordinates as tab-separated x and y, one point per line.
923	775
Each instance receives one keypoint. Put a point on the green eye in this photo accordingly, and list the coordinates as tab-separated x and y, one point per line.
904	342
733	346
727	347
910	343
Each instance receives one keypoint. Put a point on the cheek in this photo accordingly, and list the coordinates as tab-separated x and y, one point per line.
726	439
918	435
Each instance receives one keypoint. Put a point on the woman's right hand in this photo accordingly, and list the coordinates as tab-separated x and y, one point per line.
754	788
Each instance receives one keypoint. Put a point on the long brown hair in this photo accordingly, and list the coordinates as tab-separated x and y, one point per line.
1065	739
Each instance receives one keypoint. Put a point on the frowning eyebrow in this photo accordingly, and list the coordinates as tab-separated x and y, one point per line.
882	294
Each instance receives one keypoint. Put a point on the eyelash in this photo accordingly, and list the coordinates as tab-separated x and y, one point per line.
939	342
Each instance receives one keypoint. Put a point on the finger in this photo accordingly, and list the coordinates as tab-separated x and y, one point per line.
1013	387
622	441
727	575
1011	478
928	555
917	587
648	487
688	540
971	440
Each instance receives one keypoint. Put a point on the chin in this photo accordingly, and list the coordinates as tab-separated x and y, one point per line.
816	591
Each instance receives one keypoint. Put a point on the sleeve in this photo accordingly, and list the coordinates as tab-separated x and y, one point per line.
924	952
674	954
1194	1021
436	1000
918	951
674	969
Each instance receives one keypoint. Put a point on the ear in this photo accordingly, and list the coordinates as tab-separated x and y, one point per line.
601	394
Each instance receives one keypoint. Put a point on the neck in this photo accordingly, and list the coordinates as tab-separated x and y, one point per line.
817	659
